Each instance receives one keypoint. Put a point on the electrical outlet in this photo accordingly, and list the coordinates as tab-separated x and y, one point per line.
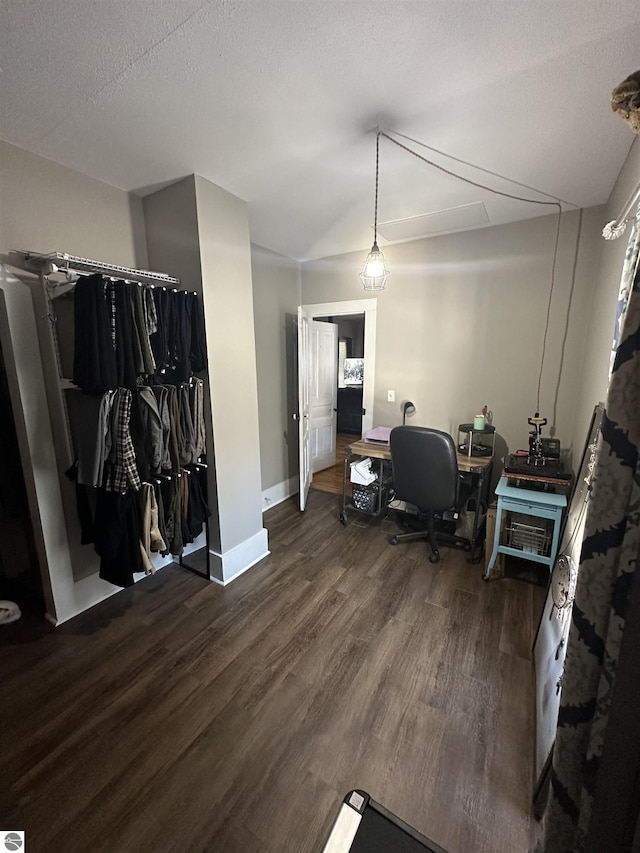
391	396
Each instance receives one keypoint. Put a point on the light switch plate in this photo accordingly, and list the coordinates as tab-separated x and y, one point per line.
391	396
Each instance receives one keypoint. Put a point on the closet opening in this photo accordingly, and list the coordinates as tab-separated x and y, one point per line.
20	580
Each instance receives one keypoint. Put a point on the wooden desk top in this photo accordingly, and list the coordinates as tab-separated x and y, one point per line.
368	448
382	451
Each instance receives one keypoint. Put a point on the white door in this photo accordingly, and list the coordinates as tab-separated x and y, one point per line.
324	394
304	387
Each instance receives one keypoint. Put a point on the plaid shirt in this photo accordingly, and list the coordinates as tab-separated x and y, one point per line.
122	470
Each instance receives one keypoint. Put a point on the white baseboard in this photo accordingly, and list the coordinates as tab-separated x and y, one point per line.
92	590
230	565
280	492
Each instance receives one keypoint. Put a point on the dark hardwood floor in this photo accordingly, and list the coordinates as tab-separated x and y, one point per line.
330	479
182	716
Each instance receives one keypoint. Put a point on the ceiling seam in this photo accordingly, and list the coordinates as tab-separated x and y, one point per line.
93	98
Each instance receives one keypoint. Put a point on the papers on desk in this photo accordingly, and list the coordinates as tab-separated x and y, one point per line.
378	434
361	472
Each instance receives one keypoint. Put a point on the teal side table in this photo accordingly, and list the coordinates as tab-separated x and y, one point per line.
526	543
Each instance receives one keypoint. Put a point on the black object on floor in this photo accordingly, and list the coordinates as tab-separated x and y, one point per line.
364	826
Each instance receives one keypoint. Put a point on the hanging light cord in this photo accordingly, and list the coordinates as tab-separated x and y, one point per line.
375	212
555	204
546	324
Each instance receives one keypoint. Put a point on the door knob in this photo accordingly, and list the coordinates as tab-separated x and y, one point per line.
295	416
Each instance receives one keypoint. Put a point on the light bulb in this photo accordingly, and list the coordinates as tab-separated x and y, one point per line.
374	272
373	269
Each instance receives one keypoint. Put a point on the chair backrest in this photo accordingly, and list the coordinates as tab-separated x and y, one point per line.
425	468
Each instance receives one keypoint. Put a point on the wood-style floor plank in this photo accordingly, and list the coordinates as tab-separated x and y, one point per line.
180	715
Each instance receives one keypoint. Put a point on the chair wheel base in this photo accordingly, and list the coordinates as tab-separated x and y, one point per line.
435	558
393	540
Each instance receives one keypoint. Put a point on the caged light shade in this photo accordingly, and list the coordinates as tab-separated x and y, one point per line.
374	273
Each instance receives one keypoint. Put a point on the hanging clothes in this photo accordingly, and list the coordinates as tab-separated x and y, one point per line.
150	316
146	363
182	337
175	437
89	419
127	346
196	401
117	538
162	529
161	394
142	418
151	538
170	489
94	358
197	511
153	430
121	470
198	349
188	446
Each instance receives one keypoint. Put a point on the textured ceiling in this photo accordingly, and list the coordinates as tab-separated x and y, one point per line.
276	101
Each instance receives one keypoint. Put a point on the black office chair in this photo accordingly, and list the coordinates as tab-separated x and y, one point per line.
425	473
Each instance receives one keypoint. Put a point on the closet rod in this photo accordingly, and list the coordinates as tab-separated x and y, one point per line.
54	262
614	229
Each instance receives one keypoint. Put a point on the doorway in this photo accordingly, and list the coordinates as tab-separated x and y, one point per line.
356	321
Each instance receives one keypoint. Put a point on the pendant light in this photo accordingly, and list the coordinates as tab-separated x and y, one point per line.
374	272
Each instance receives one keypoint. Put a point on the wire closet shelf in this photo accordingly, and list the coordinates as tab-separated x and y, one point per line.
72	265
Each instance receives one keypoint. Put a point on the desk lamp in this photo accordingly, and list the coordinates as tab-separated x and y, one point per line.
407	409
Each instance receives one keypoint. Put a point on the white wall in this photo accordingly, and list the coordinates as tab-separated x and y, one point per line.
599	330
461	323
276	296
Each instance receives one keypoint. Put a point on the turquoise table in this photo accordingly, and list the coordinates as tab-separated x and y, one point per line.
527	544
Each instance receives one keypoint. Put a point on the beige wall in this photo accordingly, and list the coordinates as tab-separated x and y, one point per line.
200	233
461	323
47	207
276	296
171	225
599	331
223	228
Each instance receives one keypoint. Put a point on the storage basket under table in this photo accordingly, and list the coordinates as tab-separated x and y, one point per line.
365	498
530	537
533	524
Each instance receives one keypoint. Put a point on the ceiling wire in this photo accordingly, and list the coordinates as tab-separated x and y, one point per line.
556	203
482	169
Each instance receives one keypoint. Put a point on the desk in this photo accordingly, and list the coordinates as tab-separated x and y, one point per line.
364	826
530	502
478	466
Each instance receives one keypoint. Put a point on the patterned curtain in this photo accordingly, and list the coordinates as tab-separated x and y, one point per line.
628	273
607	565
